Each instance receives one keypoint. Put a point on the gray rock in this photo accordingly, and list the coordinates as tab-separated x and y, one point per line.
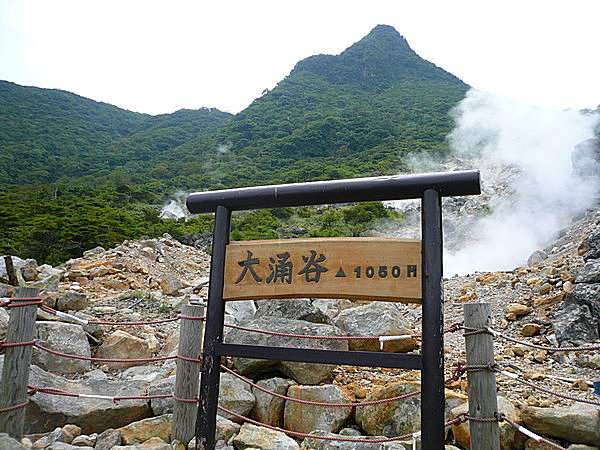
268	409
8	443
72	301
291	308
305	418
165	386
4	318
251	436
122	345
225	429
62	337
536	257
332	307
45	412
579	423
65	446
108	439
241	310
170	284
590	272
590	247
236	396
58	435
398	418
578	318
376	319
47	279
320	444
303	373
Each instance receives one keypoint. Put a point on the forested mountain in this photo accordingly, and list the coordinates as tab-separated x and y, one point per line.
90	172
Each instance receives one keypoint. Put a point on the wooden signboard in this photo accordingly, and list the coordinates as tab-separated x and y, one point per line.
354	268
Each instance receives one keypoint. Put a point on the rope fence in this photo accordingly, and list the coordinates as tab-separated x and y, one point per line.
457	373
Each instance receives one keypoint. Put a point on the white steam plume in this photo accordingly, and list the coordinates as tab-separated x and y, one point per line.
175	207
546	194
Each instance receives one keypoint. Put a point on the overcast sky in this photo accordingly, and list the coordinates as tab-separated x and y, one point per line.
161	56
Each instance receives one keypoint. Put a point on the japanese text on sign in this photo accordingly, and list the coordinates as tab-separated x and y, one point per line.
383	269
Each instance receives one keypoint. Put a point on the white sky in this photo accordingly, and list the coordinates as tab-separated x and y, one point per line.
160	56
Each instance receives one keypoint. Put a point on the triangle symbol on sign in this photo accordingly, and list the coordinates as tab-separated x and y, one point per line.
340	273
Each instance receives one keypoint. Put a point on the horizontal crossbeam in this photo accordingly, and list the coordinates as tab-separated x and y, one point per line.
397	187
311	355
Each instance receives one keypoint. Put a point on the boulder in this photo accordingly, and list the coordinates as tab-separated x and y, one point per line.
589	273
578	317
251	436
332	307
225	429
236	396
58	435
579	423
376	319
154	443
164	386
47	279
145	429
72	301
269	409
291	308
303	373
241	310
65	338
401	417
45	412
108	439
8	443
306	418
122	345
510	437
590	247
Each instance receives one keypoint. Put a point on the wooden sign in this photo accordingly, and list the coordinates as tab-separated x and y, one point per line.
354	268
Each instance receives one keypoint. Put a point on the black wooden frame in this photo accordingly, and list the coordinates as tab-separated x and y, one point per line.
430	188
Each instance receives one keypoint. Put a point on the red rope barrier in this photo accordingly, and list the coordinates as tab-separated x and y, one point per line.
12	408
308	402
305	435
4	345
86	358
151	322
186	400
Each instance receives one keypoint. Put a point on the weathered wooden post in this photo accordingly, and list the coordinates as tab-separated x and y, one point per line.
10	270
15	373
187	380
482	384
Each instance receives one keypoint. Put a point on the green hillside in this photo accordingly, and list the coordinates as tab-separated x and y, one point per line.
78	173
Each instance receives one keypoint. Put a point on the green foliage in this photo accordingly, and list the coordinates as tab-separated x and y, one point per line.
75	173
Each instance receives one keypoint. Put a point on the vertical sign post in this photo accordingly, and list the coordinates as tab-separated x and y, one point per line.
213	334
432	375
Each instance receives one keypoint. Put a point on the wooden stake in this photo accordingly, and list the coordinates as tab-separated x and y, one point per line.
187	380
15	373
10	270
483	402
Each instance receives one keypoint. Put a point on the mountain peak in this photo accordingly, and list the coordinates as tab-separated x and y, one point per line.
378	61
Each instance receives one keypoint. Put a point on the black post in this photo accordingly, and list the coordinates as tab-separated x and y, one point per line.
213	334
432	375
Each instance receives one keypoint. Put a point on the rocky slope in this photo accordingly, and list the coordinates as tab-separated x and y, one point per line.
554	301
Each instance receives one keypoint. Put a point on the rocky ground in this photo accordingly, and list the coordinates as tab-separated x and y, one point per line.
553	301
